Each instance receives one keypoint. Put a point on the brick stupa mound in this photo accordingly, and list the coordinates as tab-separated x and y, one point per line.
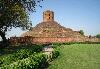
51	29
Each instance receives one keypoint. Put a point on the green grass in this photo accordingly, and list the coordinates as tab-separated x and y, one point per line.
78	56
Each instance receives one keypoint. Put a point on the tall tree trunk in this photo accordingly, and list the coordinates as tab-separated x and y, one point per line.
4	40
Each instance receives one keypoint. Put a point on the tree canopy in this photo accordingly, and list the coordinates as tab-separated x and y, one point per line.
14	13
81	32
98	35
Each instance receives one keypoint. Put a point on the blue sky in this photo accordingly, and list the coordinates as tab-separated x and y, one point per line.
74	14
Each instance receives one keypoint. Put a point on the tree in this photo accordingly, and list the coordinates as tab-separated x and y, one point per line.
81	32
14	13
98	35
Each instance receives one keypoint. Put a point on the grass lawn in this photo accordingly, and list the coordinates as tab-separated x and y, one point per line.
78	56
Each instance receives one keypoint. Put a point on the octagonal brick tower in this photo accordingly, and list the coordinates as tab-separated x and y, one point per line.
48	16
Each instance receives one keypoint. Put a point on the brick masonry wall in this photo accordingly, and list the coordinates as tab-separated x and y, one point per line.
47	39
16	40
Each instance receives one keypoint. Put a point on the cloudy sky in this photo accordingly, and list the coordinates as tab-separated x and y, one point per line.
74	14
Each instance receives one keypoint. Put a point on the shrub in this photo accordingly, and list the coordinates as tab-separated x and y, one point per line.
7	59
37	48
20	54
98	35
23	53
57	44
55	54
33	62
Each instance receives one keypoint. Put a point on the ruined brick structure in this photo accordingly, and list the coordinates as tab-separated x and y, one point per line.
48	16
50	31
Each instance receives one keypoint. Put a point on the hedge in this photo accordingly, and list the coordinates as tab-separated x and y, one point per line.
33	62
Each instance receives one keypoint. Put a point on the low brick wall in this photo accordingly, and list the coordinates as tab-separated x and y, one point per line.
16	40
47	39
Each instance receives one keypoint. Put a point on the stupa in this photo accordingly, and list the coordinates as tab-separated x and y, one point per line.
52	29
